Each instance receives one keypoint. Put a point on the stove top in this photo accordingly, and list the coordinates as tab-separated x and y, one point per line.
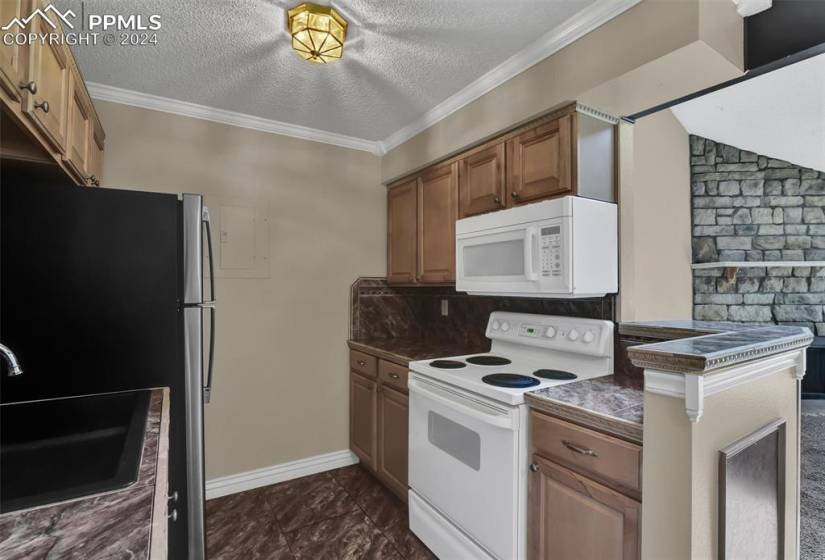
538	351
555	374
510	380
488	360
447	364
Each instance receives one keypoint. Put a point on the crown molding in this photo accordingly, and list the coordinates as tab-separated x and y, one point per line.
551	42
148	101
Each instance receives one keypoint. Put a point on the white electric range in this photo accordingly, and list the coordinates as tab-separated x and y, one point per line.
468	430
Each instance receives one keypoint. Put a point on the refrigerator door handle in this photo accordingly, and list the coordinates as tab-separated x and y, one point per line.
210	305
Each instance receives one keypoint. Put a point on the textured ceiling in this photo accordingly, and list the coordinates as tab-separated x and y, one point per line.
780	114
402	57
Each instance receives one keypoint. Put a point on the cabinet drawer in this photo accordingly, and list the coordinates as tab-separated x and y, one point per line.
600	456
363	363
393	375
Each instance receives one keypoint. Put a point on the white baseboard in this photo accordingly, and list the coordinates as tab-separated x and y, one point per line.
248	480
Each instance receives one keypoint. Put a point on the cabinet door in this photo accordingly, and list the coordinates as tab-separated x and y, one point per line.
79	131
362	426
540	162
437	214
482	181
95	159
402	212
11	65
49	70
574	517
393	413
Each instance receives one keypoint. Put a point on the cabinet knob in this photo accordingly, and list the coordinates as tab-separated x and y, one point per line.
497	200
362	363
174	515
173	497
93	180
534	467
31	87
395	376
514	194
44	105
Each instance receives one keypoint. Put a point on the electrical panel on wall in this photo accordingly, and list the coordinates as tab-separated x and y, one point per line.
241	238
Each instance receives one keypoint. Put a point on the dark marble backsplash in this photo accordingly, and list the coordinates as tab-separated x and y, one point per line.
379	311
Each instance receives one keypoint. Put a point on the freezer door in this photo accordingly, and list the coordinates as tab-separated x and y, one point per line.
192	208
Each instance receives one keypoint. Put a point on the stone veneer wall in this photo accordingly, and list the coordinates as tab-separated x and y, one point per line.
748	207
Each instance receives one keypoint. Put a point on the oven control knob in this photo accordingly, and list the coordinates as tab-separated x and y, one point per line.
496	325
505	326
573	334
550	332
588	337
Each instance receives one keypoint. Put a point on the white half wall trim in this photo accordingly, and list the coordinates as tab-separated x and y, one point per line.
234	483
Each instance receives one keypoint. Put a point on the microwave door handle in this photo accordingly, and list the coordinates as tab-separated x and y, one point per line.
529	237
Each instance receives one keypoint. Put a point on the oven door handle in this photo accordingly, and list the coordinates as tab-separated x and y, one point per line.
463	405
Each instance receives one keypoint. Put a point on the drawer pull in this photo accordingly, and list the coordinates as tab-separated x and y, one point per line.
44	105
534	467
395	376
581	450
362	363
31	87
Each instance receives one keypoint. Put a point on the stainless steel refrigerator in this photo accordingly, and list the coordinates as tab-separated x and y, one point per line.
103	290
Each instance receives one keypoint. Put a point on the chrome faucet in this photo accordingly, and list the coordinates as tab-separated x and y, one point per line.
11	360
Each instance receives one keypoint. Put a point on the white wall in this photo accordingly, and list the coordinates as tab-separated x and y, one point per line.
280	390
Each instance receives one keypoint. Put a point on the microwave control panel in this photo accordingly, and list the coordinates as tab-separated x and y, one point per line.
551	250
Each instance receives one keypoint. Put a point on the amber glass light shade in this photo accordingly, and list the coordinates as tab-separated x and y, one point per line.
318	32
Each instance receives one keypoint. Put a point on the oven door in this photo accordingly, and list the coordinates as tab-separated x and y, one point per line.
464	462
519	259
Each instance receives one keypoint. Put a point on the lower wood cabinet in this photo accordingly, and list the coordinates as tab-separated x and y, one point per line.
362	426
572	514
379	411
575	517
393	421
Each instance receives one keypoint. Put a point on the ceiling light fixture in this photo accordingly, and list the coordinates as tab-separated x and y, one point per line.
318	32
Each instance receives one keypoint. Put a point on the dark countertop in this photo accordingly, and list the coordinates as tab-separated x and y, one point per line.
607	404
403	351
111	525
701	347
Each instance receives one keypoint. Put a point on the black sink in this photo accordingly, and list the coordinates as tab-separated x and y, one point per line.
66	448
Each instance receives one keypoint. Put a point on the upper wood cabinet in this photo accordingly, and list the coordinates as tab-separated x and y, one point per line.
46	102
574	517
402	232
541	161
43	96
79	134
482	180
437	214
12	72
568	152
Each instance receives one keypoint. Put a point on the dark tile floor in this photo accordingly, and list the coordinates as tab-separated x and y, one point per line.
341	514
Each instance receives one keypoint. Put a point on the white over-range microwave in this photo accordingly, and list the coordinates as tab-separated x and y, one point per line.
561	248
